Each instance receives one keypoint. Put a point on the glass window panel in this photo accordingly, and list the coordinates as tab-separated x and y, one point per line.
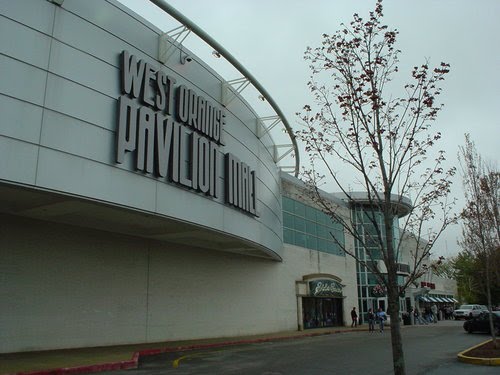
300	209
323	245
312	242
338	250
300	239
331	224
331	247
363	278
367	217
288	204
358	219
311	213
288	236
373	216
371	229
372	279
371	241
338	234
299	224
321	231
331	234
373	253
311	227
365	292
322	218
288	220
341	238
338	227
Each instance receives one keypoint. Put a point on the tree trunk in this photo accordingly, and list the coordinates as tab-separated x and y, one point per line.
398	358
488	295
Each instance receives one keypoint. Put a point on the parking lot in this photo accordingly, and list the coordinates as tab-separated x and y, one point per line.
429	349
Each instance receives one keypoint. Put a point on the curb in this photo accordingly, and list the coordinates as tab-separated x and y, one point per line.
477	360
121	365
134	361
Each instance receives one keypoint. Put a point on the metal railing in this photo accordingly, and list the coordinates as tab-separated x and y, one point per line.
246	74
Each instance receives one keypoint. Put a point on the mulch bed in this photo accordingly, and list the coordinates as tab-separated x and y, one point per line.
485	351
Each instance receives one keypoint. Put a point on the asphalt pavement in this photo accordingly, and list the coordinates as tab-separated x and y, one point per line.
428	349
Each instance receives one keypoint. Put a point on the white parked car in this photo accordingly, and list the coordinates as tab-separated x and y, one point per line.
469	311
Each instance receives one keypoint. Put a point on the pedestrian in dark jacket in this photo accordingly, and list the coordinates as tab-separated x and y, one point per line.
371	321
354	317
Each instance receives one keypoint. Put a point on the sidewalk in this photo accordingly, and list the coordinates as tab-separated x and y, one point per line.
85	360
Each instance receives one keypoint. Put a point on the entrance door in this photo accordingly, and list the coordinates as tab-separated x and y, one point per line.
322	312
381	302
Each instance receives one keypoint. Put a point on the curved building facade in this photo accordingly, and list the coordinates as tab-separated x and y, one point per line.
135	205
91	115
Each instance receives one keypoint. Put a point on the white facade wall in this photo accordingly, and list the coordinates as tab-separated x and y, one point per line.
64	286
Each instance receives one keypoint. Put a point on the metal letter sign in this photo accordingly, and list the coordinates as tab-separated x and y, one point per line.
177	135
325	288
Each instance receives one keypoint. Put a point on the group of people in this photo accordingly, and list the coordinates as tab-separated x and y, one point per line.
430	314
378	317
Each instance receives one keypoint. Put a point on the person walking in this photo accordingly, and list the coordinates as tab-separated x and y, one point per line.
434	311
371	321
381	317
418	317
428	314
354	317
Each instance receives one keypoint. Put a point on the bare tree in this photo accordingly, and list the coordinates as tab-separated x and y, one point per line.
480	217
382	141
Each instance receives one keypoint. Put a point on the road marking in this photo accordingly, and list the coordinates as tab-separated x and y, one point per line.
177	362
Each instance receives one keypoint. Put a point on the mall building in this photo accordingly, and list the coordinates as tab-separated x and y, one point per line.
142	197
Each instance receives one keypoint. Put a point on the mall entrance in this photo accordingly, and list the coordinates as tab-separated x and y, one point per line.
322	312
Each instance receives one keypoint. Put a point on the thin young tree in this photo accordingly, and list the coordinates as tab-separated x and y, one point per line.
357	126
480	217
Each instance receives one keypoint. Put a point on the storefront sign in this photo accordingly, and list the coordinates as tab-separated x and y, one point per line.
425	284
325	288
177	135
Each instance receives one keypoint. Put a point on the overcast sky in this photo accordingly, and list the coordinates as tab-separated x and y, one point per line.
268	37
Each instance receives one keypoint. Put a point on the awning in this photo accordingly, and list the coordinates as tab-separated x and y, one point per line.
437	299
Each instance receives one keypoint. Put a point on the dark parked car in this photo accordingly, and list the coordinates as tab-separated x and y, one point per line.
481	323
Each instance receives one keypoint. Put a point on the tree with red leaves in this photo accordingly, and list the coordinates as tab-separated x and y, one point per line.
355	123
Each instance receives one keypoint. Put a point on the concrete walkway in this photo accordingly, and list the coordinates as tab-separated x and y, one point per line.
82	360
